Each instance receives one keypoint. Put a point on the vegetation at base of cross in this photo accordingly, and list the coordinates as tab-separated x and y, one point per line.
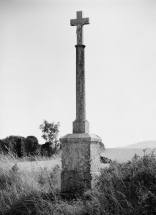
122	189
29	146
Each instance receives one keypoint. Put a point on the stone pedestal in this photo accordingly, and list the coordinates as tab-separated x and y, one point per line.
80	161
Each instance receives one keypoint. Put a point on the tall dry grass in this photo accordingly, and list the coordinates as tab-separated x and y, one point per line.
123	188
19	188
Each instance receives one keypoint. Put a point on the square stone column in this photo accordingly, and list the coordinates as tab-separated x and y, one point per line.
80	161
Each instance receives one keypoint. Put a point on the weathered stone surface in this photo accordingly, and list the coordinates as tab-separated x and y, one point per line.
80	125
74	182
86	136
80	161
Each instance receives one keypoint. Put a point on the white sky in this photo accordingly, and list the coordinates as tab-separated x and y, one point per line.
38	71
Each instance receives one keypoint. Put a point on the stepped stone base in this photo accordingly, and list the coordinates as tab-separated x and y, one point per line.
80	161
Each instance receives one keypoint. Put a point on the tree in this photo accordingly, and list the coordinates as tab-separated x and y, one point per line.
14	144
31	145
50	133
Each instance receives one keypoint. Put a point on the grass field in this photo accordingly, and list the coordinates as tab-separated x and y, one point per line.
32	186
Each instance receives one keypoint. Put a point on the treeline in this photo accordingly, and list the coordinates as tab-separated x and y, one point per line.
28	146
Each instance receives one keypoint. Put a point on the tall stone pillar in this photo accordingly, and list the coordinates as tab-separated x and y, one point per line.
80	125
80	150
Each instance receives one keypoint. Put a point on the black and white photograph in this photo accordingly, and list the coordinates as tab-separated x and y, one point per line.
77	107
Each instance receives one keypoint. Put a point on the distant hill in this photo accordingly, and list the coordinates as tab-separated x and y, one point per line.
124	154
143	145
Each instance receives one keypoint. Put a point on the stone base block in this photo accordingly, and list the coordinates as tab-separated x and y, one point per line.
80	126
80	161
72	181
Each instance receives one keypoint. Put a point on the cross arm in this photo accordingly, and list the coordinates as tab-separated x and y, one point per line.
73	22
85	21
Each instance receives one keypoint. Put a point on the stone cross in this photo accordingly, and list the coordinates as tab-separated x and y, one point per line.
80	125
80	150
79	22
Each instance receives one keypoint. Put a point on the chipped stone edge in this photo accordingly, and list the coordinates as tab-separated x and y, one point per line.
85	136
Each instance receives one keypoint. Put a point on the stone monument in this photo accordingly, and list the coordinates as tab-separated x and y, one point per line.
80	150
